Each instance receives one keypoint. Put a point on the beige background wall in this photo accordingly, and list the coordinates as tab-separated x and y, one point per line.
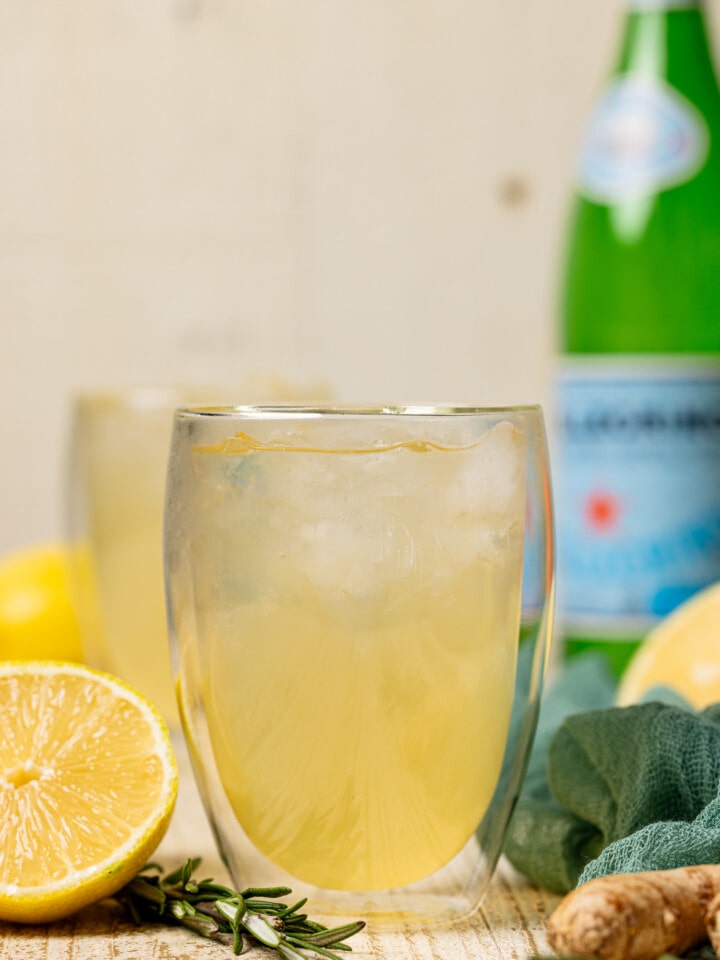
367	193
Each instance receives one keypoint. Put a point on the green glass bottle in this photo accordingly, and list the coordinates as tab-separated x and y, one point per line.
638	434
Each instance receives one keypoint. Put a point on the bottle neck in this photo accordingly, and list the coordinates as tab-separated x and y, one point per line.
662	4
667	39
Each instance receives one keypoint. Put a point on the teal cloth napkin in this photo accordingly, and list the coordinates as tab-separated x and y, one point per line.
611	789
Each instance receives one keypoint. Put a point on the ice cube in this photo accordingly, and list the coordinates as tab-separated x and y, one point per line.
491	477
356	561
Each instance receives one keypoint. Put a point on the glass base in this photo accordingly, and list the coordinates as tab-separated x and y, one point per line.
452	893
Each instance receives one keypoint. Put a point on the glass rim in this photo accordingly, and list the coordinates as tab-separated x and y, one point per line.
296	411
144	397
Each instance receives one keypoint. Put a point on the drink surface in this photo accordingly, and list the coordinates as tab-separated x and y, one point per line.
640	296
358	609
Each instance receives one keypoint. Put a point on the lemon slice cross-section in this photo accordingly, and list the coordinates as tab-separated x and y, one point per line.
88	782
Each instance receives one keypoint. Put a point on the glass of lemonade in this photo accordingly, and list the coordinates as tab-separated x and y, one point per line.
360	606
118	466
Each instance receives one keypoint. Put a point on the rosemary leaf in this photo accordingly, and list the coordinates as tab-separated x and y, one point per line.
329	938
233	910
324	953
147	891
295	907
289	952
266	892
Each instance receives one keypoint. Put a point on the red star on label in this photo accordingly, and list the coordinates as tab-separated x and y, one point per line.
602	510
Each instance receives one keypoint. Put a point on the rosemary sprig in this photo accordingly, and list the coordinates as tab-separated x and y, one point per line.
218	912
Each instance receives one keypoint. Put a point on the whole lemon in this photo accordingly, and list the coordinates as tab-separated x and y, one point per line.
680	652
37	617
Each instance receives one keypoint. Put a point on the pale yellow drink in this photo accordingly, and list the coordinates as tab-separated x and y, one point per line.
359	613
132	640
120	464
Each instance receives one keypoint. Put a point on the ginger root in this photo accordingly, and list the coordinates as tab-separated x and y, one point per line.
638	916
712	924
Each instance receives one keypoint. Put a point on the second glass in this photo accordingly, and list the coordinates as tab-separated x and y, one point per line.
118	466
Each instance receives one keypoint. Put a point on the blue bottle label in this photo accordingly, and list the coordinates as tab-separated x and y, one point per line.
638	492
643	137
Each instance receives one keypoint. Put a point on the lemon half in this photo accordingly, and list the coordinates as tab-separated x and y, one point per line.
88	782
682	652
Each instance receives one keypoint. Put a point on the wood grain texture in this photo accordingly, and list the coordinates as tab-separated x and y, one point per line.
509	925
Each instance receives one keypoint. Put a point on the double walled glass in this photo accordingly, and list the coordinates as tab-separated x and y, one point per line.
360	605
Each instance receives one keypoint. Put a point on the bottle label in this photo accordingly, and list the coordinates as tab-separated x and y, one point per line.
643	137
638	491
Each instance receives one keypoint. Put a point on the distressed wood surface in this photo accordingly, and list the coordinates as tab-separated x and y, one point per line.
509	926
